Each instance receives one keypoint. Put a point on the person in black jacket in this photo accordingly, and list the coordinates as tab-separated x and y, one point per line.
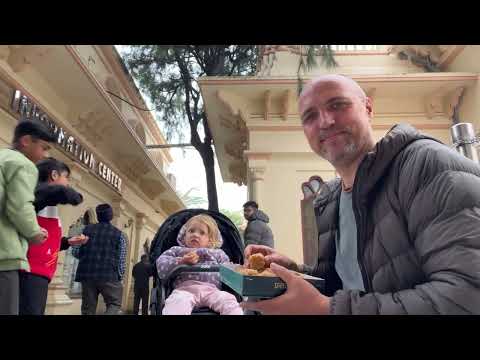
398	231
142	271
53	189
102	264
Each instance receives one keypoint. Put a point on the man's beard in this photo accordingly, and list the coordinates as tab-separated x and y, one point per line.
349	153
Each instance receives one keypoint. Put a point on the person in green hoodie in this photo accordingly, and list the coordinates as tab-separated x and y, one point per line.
18	220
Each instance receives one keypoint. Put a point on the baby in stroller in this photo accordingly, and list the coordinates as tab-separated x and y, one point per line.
200	241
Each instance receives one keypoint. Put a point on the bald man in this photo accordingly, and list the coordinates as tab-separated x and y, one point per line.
399	231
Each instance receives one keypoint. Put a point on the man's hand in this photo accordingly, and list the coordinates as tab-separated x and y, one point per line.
271	256
301	298
190	259
40	237
78	240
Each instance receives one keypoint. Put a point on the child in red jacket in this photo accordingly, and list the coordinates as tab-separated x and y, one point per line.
52	189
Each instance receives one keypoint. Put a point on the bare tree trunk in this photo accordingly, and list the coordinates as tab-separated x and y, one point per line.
207	155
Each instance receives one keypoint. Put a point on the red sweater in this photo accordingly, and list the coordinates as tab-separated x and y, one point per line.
43	257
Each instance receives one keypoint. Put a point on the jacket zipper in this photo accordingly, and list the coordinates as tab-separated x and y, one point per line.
360	241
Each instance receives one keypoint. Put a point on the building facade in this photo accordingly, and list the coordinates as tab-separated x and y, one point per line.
77	92
258	135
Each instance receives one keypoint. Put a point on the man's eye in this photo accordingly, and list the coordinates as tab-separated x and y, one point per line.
338	105
307	119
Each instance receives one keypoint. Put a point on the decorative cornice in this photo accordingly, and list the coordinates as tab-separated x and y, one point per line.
385	78
232	101
429	126
170	207
250	155
238	172
257	173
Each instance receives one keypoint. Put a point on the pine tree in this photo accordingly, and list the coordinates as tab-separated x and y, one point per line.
308	60
168	74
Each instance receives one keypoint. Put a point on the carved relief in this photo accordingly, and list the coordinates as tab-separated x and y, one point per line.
443	102
429	57
237	146
433	105
86	121
6	94
238	172
451	101
133	167
235	149
111	85
21	56
17	58
233	104
234	123
169	206
431	51
93	123
151	188
287	100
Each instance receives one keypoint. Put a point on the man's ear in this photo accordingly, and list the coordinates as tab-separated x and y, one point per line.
25	140
369	106
54	175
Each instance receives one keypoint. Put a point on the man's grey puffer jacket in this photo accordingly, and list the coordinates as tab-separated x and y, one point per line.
257	231
417	208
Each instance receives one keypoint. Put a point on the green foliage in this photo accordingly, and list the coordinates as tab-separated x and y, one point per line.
235	216
192	200
308	60
168	74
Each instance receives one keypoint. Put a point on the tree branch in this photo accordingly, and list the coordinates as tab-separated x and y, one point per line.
199	60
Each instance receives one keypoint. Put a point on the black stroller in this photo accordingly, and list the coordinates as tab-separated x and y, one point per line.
166	237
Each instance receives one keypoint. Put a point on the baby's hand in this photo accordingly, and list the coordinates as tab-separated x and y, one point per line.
190	259
202	253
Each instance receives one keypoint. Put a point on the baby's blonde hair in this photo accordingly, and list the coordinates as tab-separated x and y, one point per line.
211	224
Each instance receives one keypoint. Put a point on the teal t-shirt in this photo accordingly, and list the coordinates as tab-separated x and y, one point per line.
346	258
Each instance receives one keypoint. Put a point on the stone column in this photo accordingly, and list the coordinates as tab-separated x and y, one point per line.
118	207
257	177
141	220
119	210
136	245
58	302
257	166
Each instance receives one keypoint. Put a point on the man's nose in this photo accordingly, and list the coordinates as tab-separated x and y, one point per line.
325	119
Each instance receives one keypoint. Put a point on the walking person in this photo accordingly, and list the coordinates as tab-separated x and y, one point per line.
101	265
142	271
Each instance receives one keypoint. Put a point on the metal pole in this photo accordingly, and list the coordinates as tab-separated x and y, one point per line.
165	146
464	140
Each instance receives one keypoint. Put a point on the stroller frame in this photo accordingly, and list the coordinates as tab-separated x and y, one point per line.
162	288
